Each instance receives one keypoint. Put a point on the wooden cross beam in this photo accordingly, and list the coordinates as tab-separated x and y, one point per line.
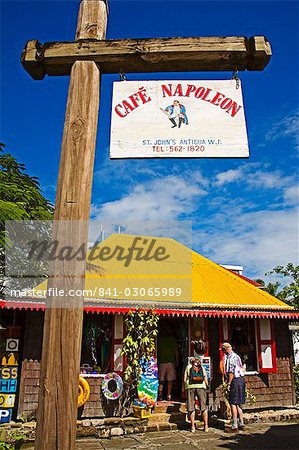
149	55
85	59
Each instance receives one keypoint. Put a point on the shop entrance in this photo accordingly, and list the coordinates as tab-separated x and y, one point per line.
172	345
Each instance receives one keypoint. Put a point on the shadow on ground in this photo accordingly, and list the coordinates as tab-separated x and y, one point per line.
275	438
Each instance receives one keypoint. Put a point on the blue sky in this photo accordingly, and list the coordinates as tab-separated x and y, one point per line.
242	211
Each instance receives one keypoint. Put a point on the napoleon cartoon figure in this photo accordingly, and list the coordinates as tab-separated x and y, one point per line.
176	114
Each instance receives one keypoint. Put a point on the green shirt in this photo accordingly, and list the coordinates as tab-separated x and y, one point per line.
194	386
166	349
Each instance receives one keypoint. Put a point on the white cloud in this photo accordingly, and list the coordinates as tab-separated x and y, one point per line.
268	180
253	176
257	240
161	199
291	195
197	177
229	226
156	207
229	176
286	126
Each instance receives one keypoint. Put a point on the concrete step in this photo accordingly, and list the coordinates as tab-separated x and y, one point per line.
170	418
170	407
174	413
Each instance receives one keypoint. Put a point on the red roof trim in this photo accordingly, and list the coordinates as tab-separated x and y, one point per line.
22	305
166	312
245	278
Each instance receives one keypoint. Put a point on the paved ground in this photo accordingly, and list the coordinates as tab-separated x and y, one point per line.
280	436
257	436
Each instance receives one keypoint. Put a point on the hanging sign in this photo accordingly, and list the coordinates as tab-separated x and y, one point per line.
8	381
7	400
206	363
5	415
12	345
185	119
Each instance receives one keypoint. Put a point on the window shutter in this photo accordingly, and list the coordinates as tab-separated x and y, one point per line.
266	346
117	360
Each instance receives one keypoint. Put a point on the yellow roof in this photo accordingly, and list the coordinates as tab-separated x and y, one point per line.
183	279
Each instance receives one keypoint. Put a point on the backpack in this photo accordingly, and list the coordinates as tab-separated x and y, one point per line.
196	375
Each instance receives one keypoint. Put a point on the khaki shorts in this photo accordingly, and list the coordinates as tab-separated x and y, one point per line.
167	370
202	397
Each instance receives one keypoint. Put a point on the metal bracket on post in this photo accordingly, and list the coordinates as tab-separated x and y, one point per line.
122	75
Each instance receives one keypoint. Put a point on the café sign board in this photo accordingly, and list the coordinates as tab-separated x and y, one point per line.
185	119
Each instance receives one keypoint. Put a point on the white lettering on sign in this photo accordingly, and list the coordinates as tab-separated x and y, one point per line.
5	415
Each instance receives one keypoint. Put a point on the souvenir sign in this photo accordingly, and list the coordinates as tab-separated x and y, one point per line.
8	379
8	386
12	345
206	363
5	415
8	382
7	400
195	118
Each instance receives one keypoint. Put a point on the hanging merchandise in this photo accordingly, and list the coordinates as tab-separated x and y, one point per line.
91	336
149	383
84	391
112	386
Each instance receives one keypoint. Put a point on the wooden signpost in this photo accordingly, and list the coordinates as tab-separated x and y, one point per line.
85	59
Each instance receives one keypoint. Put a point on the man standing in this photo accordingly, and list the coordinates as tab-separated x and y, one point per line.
196	383
236	386
168	360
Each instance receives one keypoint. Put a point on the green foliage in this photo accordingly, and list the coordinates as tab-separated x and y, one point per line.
290	292
225	394
6	446
250	398
26	416
20	194
271	288
13	439
296	381
141	329
20	198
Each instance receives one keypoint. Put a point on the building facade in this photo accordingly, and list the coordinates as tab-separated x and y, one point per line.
195	298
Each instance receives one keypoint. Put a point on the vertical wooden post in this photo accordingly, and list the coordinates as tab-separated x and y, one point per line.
58	396
92	20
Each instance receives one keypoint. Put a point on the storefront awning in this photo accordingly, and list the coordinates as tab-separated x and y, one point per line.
28	304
